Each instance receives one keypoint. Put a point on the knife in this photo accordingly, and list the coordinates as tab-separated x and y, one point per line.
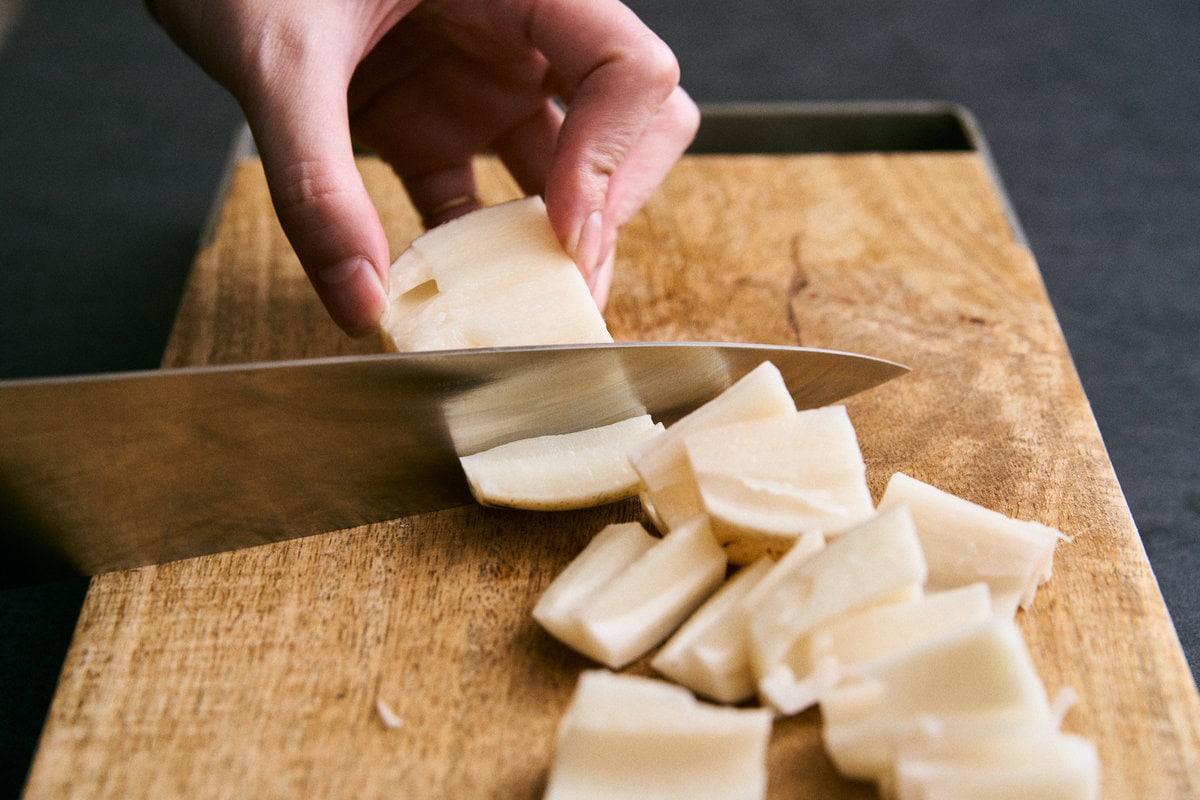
113	471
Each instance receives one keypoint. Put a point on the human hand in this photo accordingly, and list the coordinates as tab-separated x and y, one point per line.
426	86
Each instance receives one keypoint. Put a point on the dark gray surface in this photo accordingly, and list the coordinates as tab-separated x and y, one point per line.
111	146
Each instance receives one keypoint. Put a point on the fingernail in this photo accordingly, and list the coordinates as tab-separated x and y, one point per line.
600	281
345	271
588	243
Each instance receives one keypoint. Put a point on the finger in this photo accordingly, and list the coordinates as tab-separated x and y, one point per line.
622	74
319	195
527	149
651	157
600	281
443	195
427	106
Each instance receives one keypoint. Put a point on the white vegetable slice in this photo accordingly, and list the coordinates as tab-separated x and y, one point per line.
875	562
708	653
1030	762
649	600
766	481
495	277
626	736
662	463
567	471
965	542
982	672
713	656
608	554
617	614
804	548
819	660
677	501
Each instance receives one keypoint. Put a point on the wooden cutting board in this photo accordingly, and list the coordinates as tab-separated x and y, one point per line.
256	673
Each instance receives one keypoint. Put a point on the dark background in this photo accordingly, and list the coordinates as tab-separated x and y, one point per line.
112	146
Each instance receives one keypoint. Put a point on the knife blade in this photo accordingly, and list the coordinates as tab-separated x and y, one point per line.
113	471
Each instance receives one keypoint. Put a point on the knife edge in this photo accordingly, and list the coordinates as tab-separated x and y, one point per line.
112	471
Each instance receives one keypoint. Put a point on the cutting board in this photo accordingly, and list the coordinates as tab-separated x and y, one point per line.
256	673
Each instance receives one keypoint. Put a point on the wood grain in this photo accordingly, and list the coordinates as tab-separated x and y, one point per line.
255	674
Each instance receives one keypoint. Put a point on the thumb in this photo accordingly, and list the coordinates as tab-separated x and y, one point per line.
319	196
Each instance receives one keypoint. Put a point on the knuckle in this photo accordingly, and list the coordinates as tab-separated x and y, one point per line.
305	193
685	113
306	181
655	65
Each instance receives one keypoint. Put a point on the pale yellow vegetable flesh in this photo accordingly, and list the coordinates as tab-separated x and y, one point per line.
994	763
566	471
965	542
875	562
801	550
495	277
982	672
636	602
605	557
662	463
830	653
708	654
626	736
766	481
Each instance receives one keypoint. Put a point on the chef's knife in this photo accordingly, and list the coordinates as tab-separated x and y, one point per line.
108	472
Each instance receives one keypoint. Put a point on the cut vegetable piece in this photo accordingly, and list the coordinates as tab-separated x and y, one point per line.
623	608
965	542
662	463
766	481
818	661
1030	763
708	654
642	606
877	561
759	393
555	473
495	277
713	656
804	548
677	501
983	672
608	554
603	698
626	736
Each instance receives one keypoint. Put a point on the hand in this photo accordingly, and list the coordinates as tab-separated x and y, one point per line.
426	86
